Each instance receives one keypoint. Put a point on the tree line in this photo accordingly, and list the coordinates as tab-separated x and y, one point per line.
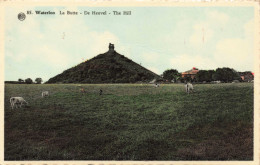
30	81
172	75
220	74
26	81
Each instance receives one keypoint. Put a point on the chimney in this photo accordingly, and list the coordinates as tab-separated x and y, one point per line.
111	47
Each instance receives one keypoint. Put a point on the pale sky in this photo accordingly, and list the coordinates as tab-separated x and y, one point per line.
159	38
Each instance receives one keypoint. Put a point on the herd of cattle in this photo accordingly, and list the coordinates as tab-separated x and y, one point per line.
17	102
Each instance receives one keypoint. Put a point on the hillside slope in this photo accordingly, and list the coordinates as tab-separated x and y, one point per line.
110	67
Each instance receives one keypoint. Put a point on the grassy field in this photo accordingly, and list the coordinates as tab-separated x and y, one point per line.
130	122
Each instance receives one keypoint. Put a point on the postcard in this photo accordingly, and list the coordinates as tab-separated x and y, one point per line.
149	82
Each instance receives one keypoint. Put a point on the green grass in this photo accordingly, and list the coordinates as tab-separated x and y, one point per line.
130	122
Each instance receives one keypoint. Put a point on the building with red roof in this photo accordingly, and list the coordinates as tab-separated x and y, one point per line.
190	73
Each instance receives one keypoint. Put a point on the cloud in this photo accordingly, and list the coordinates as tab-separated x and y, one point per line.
202	34
205	30
56	42
249	28
237	53
150	57
217	17
232	50
154	69
101	40
240	60
53	57
186	61
152	61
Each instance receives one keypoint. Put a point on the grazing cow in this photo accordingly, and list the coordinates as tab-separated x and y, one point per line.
15	101
189	88
156	85
82	90
100	92
45	93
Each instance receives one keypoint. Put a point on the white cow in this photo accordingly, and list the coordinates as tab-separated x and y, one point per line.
15	101
45	93
189	88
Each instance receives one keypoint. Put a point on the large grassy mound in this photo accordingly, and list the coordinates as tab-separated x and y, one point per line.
130	122
109	67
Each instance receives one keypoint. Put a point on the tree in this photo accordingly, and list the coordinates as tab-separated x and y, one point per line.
226	74
38	80
20	80
216	76
171	74
28	81
205	75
